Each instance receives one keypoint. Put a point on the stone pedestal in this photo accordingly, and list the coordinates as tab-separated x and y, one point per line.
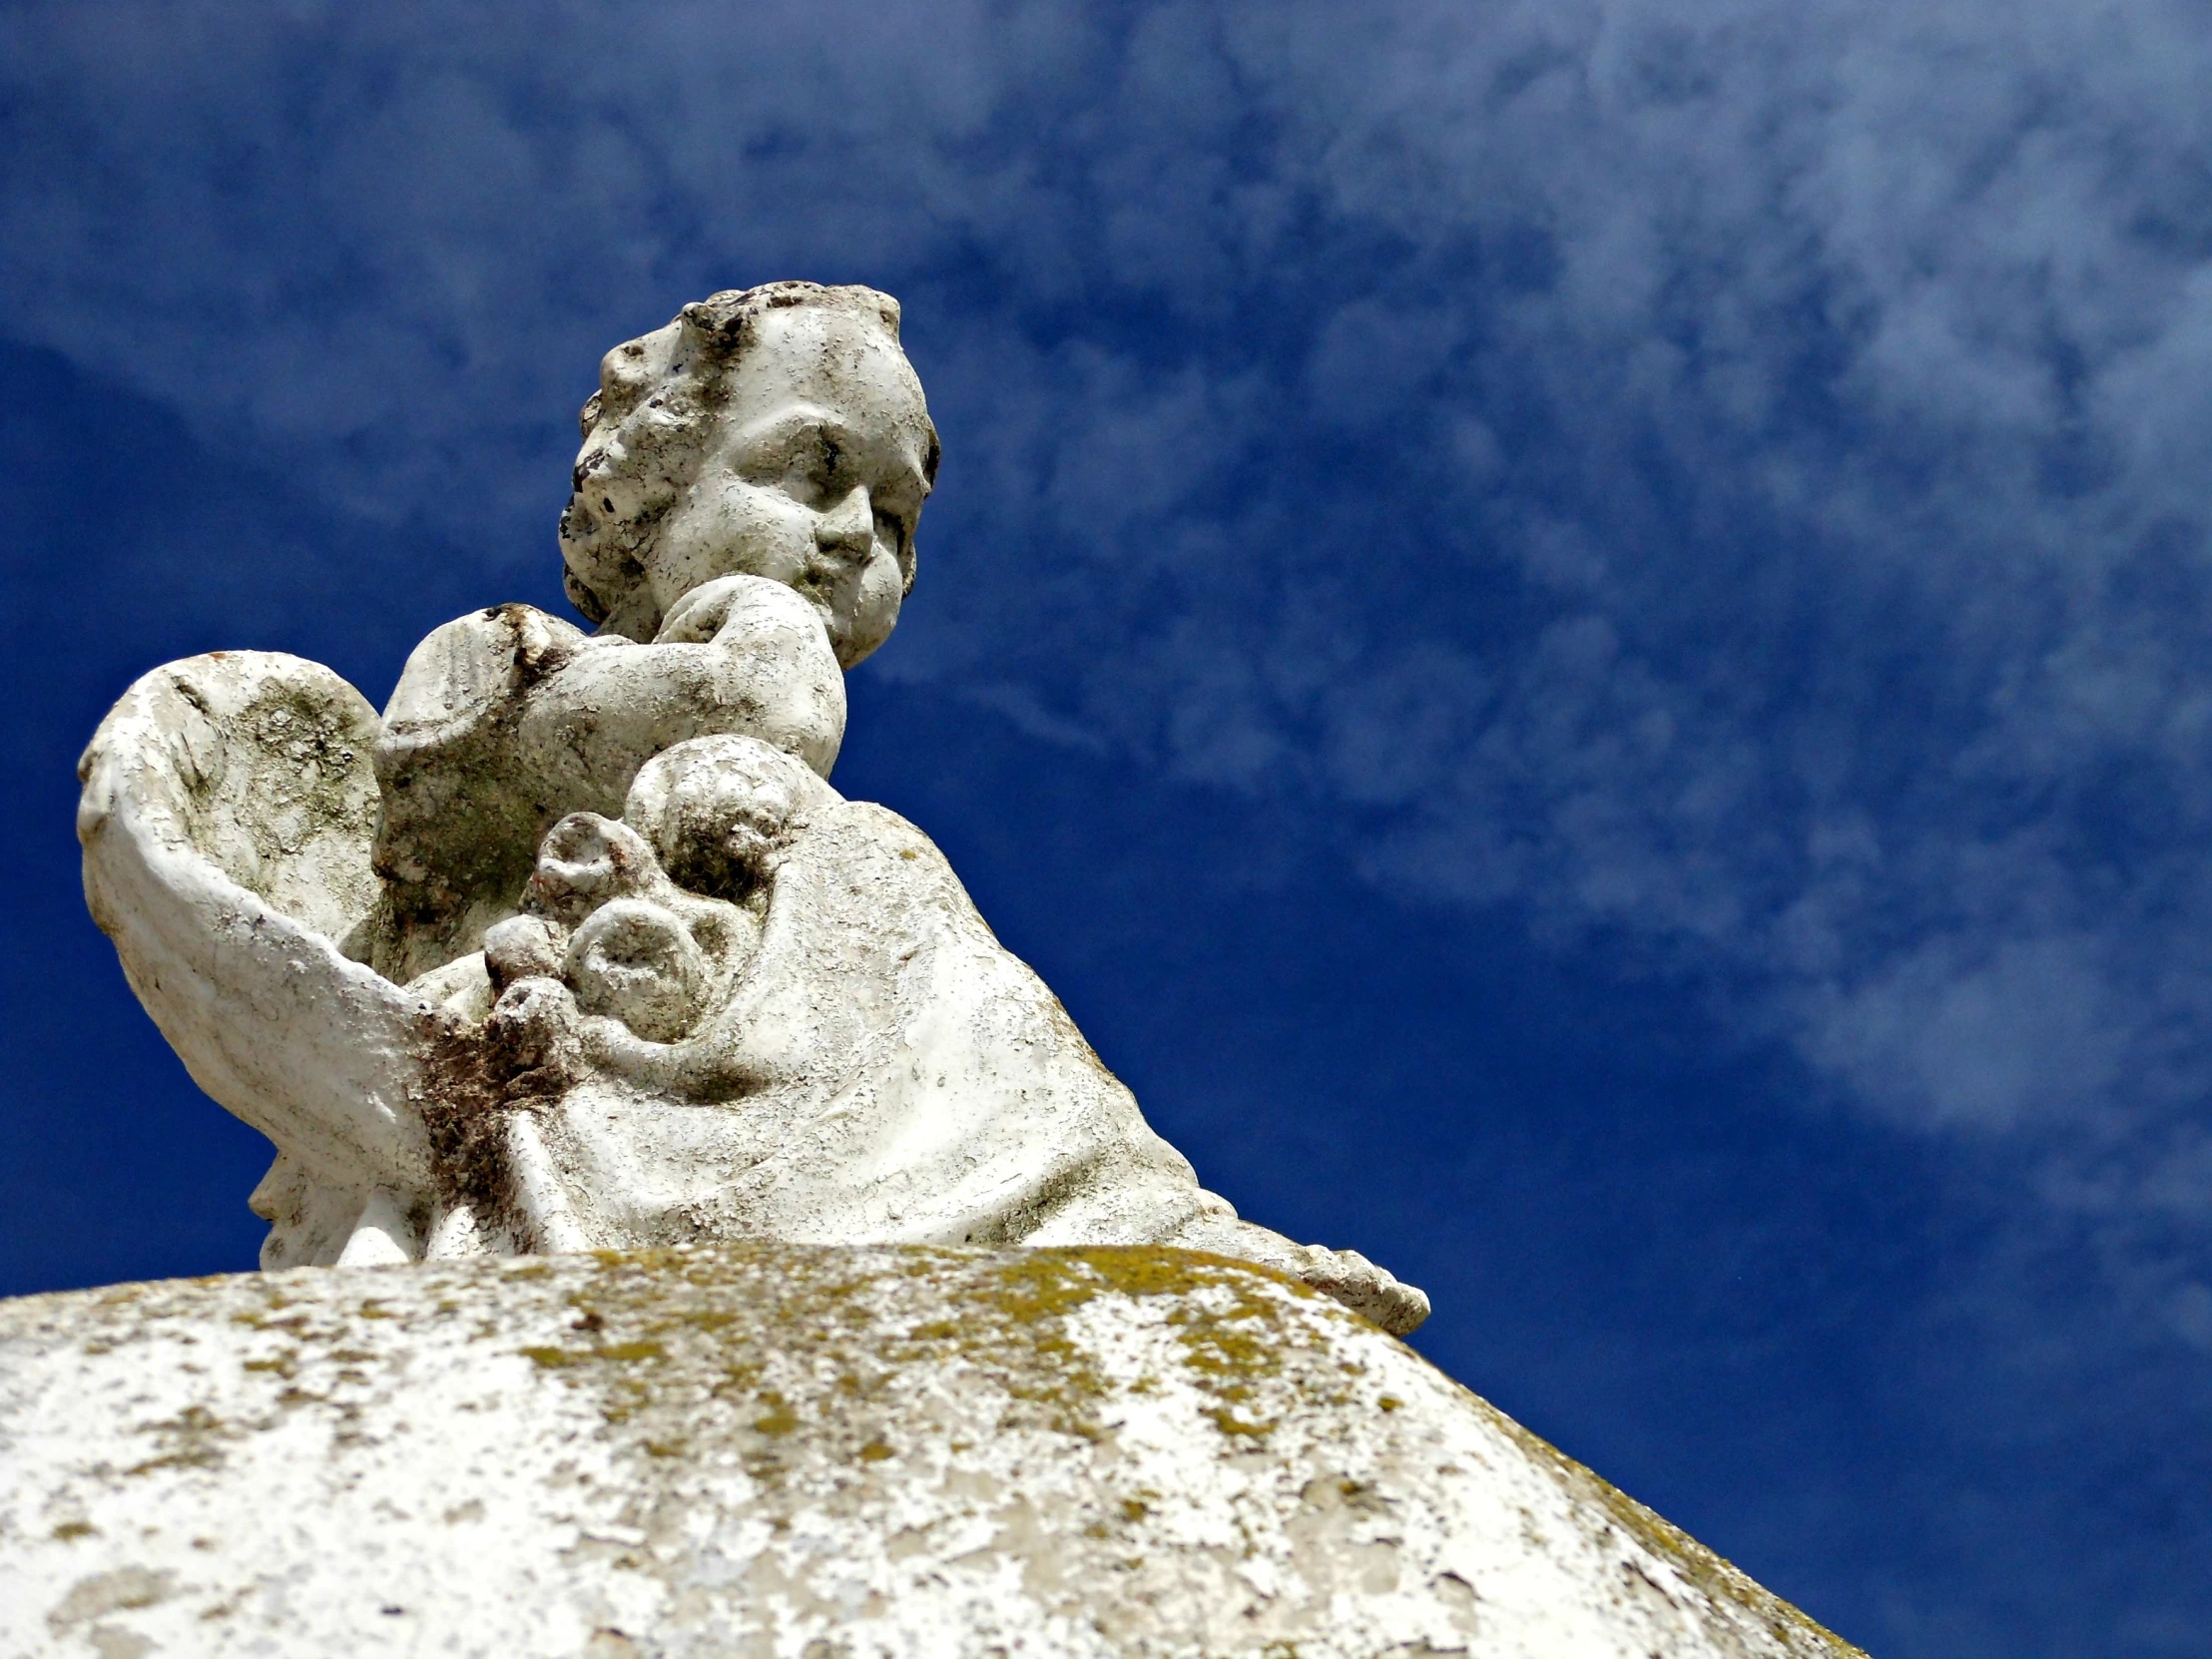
803	1451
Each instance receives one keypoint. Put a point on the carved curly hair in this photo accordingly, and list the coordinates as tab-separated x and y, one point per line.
647	428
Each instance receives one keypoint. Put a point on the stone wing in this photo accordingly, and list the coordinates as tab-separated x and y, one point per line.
228	813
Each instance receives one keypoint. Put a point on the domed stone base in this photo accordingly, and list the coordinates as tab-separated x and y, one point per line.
791	1450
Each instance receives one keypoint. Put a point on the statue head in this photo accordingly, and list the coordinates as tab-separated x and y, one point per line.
773	431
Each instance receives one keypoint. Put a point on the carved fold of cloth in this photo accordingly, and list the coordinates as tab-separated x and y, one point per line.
827	1045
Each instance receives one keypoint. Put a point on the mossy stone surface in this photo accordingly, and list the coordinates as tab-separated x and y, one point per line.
803	1450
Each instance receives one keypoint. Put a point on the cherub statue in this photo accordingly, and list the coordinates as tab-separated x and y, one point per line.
576	946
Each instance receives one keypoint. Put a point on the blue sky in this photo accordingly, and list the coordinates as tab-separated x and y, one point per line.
1577	633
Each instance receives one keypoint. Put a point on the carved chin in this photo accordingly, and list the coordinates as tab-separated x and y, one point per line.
869	620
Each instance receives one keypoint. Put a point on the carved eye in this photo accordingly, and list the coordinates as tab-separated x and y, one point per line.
821	471
811	473
807	463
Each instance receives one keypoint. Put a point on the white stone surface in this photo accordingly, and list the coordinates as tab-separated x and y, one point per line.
803	1451
575	946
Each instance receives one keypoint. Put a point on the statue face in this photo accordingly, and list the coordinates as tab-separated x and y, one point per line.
815	477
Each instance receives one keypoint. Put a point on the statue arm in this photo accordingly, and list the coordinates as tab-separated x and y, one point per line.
741	655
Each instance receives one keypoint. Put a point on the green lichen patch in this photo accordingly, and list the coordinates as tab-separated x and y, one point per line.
607	1353
1227	1422
1230	1320
779	1418
189	1439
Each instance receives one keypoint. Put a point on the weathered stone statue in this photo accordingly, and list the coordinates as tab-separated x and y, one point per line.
898	1335
576	946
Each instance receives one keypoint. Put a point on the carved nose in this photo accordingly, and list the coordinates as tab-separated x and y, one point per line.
849	527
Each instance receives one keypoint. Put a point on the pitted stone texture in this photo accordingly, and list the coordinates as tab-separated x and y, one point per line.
791	1450
478	1014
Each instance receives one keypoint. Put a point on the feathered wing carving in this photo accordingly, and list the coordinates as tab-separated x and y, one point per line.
226	818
